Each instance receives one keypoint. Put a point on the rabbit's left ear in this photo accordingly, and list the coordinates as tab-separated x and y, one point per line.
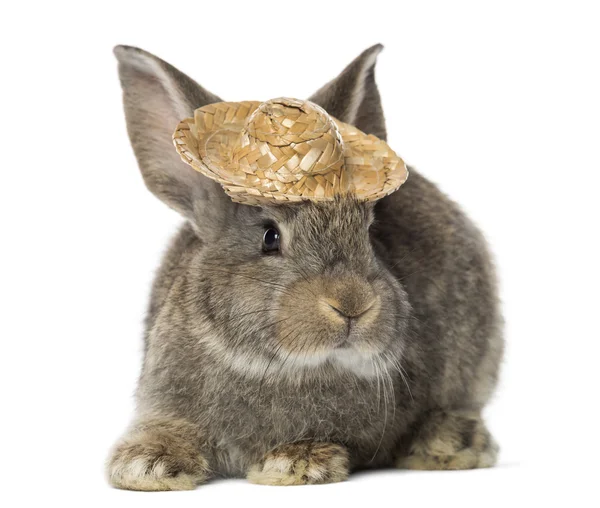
157	97
353	97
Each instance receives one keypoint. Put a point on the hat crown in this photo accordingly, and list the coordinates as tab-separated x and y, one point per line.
283	140
283	121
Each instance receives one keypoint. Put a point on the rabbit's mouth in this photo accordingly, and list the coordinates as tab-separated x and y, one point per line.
349	321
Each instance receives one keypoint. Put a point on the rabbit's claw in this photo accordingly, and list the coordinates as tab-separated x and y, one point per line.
151	460
448	441
302	463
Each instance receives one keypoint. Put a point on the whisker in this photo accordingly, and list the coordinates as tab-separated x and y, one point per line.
276	286
237	316
305	344
286	358
237	274
398	367
270	325
378	374
262	379
275	289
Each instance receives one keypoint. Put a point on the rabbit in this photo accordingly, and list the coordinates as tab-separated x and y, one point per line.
244	372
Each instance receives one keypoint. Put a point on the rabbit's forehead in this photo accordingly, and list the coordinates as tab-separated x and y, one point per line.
330	233
334	216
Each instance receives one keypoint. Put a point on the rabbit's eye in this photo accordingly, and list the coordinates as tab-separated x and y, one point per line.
271	240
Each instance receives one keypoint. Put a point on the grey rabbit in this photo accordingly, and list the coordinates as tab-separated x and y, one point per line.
242	373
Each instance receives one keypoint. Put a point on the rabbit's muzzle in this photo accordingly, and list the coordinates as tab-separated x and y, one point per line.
332	314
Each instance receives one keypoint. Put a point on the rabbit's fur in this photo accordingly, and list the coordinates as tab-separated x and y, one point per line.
243	372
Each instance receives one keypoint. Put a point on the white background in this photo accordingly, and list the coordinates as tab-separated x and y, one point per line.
497	102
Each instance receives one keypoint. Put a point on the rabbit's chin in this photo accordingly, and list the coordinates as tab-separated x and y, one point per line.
349	359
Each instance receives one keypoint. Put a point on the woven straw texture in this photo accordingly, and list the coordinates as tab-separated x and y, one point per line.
286	150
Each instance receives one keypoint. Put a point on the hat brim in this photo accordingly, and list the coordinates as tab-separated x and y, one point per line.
370	171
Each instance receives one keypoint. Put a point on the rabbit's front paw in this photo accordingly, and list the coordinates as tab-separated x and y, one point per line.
302	463
449	440
152	459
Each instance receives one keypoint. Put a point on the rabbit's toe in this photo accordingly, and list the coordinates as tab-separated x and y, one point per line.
302	464
153	461
448	441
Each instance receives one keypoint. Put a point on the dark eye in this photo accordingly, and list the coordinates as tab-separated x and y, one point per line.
271	240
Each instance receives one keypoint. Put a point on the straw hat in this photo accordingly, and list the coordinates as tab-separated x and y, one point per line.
286	150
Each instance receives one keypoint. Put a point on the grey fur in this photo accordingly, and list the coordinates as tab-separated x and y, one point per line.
241	346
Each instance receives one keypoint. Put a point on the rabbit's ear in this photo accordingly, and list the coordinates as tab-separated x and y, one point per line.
353	97
157	97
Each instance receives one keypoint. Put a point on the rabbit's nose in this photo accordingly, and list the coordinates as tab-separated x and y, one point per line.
350	297
352	313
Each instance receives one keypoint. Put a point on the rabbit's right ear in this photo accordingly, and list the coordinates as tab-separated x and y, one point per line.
157	97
